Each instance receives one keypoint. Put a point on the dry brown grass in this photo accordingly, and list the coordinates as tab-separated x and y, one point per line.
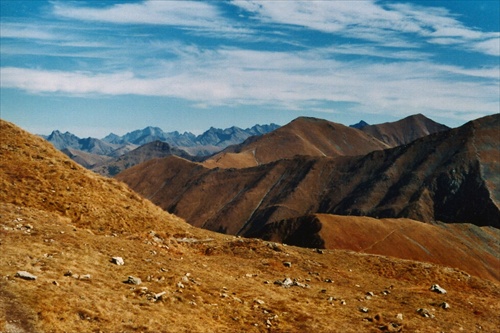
227	275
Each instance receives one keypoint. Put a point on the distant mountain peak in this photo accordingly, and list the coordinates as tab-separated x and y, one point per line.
359	125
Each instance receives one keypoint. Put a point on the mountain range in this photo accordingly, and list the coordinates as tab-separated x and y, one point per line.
84	253
449	176
113	145
318	137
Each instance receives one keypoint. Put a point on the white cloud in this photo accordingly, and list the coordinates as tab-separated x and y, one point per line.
368	20
182	13
26	31
285	80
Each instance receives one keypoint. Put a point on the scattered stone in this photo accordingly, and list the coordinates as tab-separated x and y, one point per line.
328	280
287	283
444	305
319	251
25	275
133	280
436	288
159	295
180	285
193	240
85	277
370	294
55	283
259	301
118	261
364	310
425	313
68	273
343	302
399	316
287	264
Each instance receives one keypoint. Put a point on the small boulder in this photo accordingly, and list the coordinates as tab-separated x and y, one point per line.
287	264
444	305
425	313
159	295
118	261
133	280
436	288
25	275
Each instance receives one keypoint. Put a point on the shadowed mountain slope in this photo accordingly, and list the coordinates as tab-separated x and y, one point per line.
405	130
473	249
85	159
303	136
450	176
156	149
64	224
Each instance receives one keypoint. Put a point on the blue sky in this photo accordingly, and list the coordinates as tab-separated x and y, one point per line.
95	67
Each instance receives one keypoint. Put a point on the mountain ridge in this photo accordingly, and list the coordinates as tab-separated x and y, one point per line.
429	179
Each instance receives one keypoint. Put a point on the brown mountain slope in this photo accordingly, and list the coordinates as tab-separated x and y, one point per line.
85	159
405	130
473	249
34	174
450	176
57	217
155	149
303	136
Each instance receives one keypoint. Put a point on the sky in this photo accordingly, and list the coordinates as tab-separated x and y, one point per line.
99	67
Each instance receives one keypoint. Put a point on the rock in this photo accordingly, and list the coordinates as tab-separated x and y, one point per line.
444	305
259	301
118	261
425	313
370	294
85	277
68	273
399	316
159	295
287	282
436	288
287	264
25	275
180	285
364	310
133	280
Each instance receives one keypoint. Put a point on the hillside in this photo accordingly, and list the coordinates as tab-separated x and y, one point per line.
303	136
87	160
430	179
473	249
63	224
155	149
317	137
405	130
